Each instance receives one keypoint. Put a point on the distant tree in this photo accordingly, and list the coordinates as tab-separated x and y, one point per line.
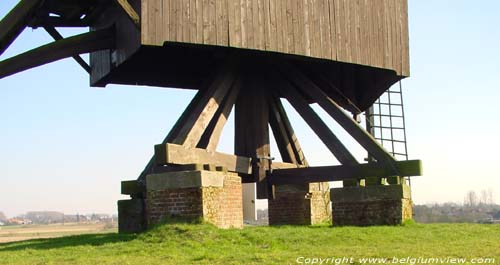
471	199
3	217
486	197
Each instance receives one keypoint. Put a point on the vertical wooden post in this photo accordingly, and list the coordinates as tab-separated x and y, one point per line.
251	135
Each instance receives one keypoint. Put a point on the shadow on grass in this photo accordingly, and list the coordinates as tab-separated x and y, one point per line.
68	241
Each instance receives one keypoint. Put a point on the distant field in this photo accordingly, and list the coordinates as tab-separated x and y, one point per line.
25	232
205	244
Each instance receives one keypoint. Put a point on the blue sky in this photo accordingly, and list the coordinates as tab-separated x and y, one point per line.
66	146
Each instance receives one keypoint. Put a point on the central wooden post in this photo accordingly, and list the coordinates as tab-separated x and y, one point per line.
251	136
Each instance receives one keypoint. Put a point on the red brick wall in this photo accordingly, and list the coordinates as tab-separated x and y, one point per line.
289	208
222	206
179	202
300	204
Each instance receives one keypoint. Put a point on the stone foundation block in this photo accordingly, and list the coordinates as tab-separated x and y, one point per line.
371	205
131	216
214	196
300	204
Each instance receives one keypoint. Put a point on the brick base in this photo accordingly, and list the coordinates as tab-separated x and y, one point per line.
300	204
131	216
216	197
371	205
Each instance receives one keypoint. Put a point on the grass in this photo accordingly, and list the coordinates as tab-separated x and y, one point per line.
178	243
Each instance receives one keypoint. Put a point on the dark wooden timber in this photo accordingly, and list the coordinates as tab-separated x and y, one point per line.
173	154
127	8
211	137
286	140
245	55
57	36
200	99
369	32
192	131
343	172
83	43
251	135
15	22
309	88
318	126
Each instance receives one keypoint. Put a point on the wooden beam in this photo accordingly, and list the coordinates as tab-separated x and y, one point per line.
334	110
83	43
200	98
211	137
15	22
55	34
284	165
125	6
286	139
251	135
331	141
196	123
344	172
181	155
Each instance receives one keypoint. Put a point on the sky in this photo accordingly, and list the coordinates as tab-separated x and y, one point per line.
66	146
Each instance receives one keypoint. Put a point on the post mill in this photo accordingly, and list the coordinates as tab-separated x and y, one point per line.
250	56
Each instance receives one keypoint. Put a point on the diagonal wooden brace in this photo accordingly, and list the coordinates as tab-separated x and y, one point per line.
310	89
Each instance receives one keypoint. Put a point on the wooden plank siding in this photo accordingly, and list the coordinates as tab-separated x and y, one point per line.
365	32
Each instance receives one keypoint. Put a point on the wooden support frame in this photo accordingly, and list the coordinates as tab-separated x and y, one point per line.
57	36
286	140
211	137
344	172
309	88
331	141
131	13
199	117
16	21
79	44
251	130
185	124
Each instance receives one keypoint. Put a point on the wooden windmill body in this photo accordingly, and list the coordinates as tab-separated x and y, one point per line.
246	55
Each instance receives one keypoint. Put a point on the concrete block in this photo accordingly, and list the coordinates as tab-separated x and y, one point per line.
185	179
381	192
131	187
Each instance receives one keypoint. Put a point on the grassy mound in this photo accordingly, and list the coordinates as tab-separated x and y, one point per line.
178	243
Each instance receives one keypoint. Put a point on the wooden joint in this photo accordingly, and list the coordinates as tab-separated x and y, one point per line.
131	13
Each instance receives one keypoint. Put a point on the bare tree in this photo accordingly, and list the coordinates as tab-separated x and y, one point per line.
2	217
471	199
491	200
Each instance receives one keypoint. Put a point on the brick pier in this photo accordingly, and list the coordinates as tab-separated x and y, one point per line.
371	205
214	196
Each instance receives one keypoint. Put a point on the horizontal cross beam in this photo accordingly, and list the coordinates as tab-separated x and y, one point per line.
343	172
179	155
174	154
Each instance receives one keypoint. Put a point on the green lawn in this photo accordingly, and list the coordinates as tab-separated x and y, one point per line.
204	244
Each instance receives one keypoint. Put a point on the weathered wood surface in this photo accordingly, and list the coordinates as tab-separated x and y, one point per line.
318	126
286	140
181	155
83	43
308	87
366	32
251	130
344	172
57	36
15	22
127	8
